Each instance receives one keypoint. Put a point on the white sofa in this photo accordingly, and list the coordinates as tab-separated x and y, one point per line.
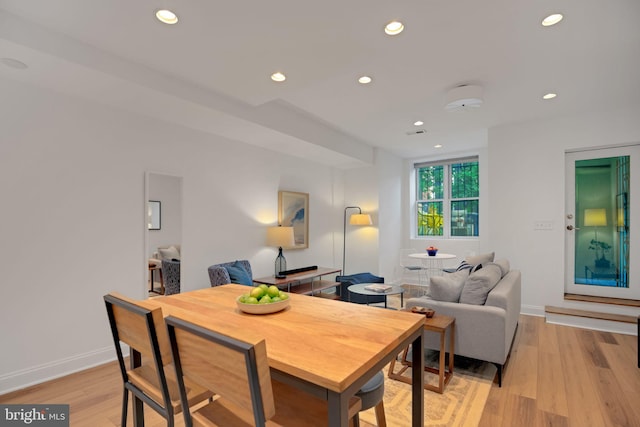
485	331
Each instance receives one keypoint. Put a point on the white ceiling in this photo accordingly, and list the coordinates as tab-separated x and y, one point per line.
211	70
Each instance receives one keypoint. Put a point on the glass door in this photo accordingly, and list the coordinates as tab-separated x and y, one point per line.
599	216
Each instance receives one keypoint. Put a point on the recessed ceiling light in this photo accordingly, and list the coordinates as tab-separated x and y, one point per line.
364	80
14	63
166	16
549	96
394	28
437	146
418	123
552	20
278	77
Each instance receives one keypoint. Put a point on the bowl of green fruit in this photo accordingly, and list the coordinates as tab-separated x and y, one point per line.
263	299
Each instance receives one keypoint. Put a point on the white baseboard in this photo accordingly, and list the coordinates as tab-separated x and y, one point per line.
532	310
59	368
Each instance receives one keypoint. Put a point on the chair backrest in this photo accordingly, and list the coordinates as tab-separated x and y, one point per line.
171	276
238	371
144	331
406	260
218	274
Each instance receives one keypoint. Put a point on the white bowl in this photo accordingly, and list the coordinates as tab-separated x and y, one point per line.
272	307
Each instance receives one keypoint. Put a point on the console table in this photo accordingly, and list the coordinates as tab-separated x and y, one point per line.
307	283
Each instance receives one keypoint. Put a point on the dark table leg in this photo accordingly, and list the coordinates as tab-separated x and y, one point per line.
417	382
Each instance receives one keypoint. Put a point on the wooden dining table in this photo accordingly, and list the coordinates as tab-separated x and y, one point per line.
325	347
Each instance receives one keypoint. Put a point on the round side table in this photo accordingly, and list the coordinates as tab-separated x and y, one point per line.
393	290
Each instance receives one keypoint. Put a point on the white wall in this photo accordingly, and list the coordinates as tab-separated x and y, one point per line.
73	224
526	178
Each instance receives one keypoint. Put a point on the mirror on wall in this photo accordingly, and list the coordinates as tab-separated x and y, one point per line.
163	220
154	212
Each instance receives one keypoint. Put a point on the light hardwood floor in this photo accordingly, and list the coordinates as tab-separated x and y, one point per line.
556	376
563	376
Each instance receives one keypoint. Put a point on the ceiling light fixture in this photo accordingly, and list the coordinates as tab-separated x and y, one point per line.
14	63
394	28
364	80
463	98
437	146
549	96
552	19
166	16
418	123
278	77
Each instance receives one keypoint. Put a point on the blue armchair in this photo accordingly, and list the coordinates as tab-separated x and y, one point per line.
354	279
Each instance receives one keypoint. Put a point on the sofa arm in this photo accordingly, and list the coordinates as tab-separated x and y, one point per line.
480	330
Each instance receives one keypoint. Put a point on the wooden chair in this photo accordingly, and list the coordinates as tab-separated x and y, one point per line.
239	373
154	381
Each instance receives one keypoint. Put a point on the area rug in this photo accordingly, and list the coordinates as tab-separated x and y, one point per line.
460	405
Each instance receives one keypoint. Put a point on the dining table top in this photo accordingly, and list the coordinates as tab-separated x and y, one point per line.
329	343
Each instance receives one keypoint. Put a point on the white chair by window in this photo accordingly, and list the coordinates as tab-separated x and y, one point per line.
413	273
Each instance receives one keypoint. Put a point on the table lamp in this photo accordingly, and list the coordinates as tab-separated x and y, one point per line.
355	219
278	237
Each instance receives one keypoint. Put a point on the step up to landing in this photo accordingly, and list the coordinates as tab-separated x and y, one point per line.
591	314
602	300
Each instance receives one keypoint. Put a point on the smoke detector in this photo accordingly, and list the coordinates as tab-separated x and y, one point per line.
464	97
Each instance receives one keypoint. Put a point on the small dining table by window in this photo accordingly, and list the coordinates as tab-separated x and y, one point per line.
328	348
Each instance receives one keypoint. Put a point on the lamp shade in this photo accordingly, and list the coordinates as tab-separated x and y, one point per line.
280	237
595	217
360	219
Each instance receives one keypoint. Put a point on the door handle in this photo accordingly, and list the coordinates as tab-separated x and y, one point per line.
571	227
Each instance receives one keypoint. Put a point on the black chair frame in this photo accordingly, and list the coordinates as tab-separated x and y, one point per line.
166	411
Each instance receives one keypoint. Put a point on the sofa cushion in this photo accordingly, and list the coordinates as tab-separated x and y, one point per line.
480	259
169	253
238	274
504	265
448	287
478	285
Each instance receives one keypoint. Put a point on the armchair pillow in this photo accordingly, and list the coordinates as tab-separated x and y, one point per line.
169	253
239	274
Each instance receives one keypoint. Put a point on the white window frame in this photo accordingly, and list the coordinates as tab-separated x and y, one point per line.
446	200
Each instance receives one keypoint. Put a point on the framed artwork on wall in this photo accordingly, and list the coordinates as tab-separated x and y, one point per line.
293	211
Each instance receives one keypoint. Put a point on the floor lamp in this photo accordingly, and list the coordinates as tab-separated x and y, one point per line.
355	219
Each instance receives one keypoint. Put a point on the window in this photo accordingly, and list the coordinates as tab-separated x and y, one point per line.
447	198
